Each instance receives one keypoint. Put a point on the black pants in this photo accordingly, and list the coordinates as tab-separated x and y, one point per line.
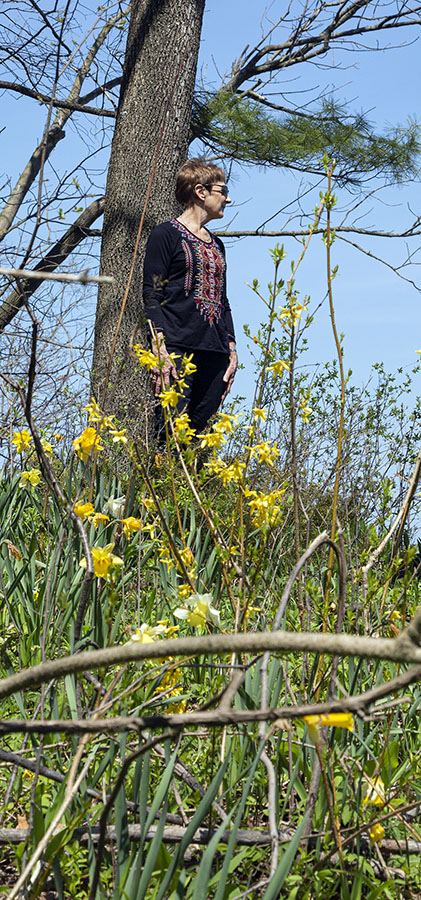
204	388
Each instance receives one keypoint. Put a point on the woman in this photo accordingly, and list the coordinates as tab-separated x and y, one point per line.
184	290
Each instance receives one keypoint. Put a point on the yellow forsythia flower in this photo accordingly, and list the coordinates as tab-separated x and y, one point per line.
169	397
94	411
182	429
279	367
376	833
47	448
146	357
119	437
264	507
226	423
214	439
188	366
226	473
335	720
265	452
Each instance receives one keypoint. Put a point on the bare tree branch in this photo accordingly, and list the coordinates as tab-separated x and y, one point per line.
55	257
74	106
54	135
405	649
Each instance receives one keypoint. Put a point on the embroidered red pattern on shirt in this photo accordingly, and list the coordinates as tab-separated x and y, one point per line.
210	267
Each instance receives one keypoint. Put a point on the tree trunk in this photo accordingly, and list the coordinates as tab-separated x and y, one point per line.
152	127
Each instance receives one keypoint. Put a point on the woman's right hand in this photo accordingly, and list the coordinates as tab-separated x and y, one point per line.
166	372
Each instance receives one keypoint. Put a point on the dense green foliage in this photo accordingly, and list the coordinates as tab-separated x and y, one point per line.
244	130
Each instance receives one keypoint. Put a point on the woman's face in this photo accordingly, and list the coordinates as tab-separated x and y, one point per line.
214	198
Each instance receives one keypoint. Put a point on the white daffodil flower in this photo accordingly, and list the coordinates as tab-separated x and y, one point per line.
197	610
116	506
147	634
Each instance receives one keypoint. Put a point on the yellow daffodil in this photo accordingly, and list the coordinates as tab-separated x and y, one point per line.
87	442
99	519
146	357
103	560
83	510
334	720
197	610
375	792
147	634
30	478
22	439
131	526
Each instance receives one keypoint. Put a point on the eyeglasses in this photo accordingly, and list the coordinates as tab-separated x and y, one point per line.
224	190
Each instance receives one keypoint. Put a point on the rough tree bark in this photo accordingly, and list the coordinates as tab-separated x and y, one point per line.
152	126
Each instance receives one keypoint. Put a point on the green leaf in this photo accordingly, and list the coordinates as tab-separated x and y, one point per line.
202	877
194	823
285	864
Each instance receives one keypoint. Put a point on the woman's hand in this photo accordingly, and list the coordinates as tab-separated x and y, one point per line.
230	373
166	372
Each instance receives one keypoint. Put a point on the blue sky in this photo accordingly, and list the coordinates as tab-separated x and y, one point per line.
378	312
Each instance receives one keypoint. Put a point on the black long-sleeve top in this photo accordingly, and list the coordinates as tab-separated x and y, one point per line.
184	289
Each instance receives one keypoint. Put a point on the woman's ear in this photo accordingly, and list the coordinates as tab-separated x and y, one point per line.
199	193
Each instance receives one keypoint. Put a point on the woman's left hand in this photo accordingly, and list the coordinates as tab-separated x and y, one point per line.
230	373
